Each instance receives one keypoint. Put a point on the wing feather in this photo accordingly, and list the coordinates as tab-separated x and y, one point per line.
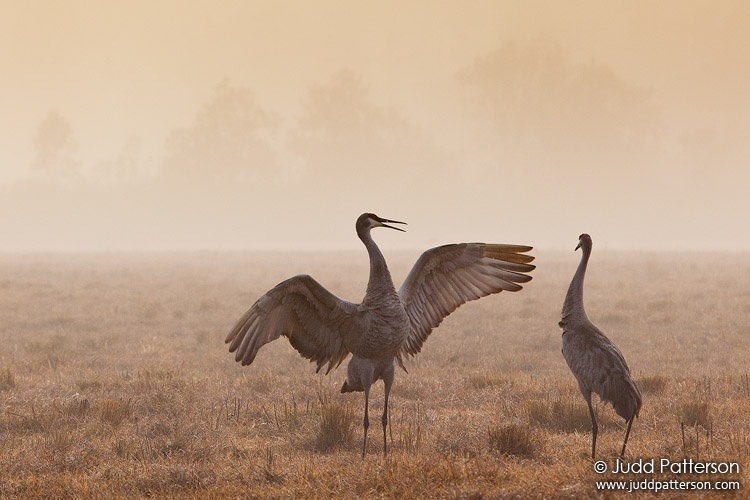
446	277
319	325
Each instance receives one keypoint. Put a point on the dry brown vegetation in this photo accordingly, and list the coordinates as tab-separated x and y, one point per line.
115	381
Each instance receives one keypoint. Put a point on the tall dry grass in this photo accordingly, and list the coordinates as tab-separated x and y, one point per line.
115	382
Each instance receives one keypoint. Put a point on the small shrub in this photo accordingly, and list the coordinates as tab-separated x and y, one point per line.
336	426
114	411
76	407
177	445
150	310
288	417
410	437
58	442
459	444
514	439
696	413
486	379
88	384
33	422
7	380
263	383
47	345
269	469
121	447
238	453
652	384
559	415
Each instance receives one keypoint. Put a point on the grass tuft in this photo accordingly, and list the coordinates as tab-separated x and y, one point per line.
514	439
88	384
114	411
270	474
485	379
563	415
696	413
652	384
76	408
7	380
409	433
336	427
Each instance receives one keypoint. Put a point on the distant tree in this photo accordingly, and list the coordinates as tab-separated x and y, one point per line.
359	153
341	130
543	108
226	143
123	168
126	163
56	150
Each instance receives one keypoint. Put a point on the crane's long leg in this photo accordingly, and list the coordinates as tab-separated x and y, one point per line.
388	381
594	426
367	420
627	433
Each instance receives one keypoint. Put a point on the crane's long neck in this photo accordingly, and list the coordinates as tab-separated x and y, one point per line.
573	306
380	278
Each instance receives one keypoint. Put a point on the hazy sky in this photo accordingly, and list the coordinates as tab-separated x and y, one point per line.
120	72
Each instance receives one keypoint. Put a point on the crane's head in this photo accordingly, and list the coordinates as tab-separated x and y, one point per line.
584	240
368	221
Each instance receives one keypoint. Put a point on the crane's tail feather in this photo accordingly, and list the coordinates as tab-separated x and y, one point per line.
347	387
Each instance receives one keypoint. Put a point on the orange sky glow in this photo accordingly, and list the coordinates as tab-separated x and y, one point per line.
274	124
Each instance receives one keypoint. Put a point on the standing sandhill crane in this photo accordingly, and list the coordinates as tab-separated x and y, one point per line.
596	362
387	324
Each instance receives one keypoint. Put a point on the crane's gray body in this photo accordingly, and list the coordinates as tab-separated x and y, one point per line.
595	361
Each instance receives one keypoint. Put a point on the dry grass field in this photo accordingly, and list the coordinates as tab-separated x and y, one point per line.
115	381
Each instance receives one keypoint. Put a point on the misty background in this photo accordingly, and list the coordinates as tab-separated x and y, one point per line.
273	124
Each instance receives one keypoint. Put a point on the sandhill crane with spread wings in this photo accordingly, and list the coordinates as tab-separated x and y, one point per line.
387	325
596	362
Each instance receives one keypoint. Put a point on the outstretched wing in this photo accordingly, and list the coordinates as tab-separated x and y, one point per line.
319	325
445	277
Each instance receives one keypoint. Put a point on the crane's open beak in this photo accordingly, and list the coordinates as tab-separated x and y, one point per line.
383	221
